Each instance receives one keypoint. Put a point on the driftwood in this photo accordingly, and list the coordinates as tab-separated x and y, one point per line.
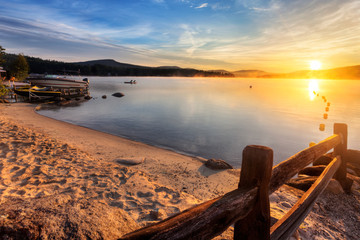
287	225
323	160
302	183
313	171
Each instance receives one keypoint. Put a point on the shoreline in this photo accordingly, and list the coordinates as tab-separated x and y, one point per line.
109	147
44	157
199	158
57	166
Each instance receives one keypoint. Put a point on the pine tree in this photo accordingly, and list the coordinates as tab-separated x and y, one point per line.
19	68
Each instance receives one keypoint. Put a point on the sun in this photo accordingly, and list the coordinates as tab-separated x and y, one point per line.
315	65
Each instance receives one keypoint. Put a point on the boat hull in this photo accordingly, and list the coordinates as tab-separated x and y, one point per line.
59	83
26	92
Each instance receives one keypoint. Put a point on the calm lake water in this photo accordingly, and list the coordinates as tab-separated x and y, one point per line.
217	118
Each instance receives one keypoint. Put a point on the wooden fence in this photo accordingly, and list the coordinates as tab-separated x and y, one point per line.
248	207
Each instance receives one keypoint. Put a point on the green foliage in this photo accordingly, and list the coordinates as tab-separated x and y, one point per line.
3	90
19	68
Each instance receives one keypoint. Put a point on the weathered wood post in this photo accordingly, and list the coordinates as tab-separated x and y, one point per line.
341	149
256	170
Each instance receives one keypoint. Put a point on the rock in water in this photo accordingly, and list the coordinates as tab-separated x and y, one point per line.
118	94
217	164
62	217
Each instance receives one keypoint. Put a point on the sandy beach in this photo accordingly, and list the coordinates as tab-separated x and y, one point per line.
131	184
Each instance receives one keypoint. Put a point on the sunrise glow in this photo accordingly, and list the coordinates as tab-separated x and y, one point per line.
315	65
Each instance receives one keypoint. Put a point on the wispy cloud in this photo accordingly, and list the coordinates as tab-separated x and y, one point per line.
276	35
204	5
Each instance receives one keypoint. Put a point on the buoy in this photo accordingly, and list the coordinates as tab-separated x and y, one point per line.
325	116
322	127
328	104
327	109
103	96
250	86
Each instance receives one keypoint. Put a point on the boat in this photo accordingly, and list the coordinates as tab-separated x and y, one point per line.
56	81
38	92
131	82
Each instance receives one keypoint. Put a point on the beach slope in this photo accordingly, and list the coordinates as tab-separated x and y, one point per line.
63	181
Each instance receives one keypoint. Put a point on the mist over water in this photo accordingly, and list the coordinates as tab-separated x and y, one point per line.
217	118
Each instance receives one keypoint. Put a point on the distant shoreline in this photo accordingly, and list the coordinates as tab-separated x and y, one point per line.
110	67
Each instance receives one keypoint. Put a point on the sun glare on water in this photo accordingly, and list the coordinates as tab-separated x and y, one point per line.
315	65
313	89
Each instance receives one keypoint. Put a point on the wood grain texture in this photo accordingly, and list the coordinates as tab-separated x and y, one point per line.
204	221
286	226
341	149
288	168
256	169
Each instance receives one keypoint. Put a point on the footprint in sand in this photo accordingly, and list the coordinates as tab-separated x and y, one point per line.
168	193
144	195
14	169
18	174
4	149
113	195
36	170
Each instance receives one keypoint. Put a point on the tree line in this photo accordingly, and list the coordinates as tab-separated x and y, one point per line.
41	66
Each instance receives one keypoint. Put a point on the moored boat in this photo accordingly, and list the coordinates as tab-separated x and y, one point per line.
57	81
131	82
37	92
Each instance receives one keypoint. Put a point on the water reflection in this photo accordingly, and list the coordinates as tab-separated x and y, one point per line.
217	118
313	89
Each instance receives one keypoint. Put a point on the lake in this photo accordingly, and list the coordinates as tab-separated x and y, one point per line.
218	117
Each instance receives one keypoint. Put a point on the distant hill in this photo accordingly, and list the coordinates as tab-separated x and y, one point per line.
169	67
351	72
108	63
109	67
250	73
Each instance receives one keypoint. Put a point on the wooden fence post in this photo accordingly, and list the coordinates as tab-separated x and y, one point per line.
256	170
341	149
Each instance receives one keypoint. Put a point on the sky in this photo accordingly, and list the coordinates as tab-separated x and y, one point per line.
270	35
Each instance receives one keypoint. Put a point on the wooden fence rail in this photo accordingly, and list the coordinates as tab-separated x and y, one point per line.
248	207
287	225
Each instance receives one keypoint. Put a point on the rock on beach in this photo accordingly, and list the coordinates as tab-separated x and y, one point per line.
217	164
